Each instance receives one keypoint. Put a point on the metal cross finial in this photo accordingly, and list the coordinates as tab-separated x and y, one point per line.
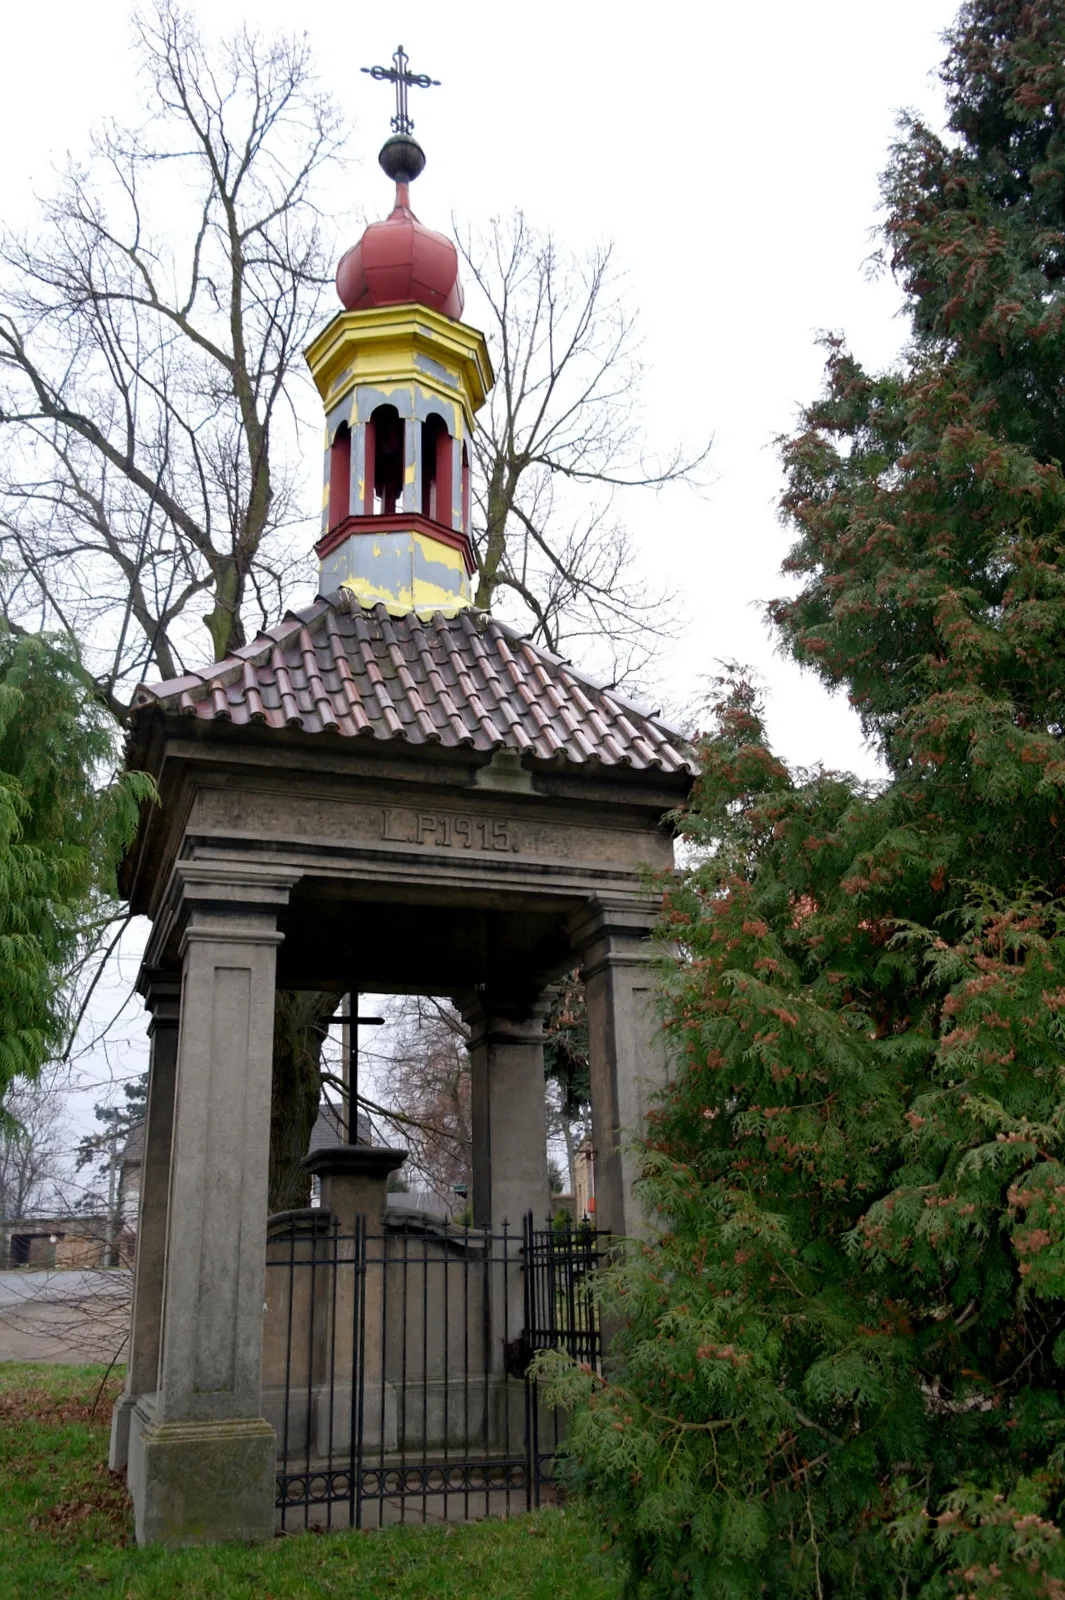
399	73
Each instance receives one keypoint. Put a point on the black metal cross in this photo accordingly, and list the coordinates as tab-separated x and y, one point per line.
399	73
352	1021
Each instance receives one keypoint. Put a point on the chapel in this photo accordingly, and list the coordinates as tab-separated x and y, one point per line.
388	791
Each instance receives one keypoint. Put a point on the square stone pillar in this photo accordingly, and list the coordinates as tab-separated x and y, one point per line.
626	1049
201	1455
162	994
508	1120
509	1132
354	1180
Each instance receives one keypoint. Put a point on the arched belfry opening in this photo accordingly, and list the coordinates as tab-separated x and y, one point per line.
385	460
340	476
436	470
389	791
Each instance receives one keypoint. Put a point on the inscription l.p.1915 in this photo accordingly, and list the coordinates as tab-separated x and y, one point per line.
452	829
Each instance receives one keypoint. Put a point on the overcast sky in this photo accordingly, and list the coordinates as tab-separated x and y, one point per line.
731	153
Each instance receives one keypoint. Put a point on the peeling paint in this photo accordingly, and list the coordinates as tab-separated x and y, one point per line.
357	481
368	397
427	404
335	416
404	569
435	369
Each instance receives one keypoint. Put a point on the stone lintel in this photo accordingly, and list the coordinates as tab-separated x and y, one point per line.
247	756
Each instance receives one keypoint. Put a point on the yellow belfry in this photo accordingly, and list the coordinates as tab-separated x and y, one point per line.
401	377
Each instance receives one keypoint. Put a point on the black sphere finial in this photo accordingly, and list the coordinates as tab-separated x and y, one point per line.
402	158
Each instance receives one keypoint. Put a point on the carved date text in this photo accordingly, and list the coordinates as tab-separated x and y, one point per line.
452	829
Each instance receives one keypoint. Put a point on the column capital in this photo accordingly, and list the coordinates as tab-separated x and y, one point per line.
218	895
242	931
615	932
160	988
505	1019
246	885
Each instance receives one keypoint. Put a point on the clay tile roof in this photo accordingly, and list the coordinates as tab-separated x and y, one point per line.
346	669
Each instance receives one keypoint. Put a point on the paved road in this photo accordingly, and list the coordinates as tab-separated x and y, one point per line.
46	1284
80	1315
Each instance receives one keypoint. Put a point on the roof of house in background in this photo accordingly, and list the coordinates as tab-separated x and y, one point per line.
133	1149
329	1128
340	668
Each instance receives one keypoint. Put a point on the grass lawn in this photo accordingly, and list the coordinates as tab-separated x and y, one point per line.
66	1528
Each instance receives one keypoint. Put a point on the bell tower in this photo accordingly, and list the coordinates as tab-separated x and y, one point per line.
401	377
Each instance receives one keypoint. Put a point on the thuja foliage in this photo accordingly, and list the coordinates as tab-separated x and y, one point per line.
63	824
841	1365
566	1046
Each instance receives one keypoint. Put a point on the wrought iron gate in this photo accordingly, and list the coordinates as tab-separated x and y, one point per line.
396	1366
560	1314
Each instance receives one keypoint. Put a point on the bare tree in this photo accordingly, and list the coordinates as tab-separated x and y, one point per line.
569	1108
424	1073
148	338
31	1147
560	442
149	341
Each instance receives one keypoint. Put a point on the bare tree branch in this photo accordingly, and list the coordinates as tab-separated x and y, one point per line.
142	362
563	416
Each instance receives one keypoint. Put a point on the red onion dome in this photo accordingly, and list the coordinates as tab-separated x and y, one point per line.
398	261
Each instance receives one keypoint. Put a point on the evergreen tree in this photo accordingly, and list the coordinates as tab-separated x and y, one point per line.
842	1366
63	825
567	1072
101	1150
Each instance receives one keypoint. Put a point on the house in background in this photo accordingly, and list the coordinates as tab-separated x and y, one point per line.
130	1163
584	1181
61	1242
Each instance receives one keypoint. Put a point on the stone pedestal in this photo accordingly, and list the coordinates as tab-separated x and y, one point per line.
354	1179
298	1332
626	1051
201	1456
162	994
507	1113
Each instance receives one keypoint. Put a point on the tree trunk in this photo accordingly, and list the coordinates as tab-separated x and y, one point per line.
299	1032
571	1155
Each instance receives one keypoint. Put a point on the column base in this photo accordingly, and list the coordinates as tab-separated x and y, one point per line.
201	1482
121	1416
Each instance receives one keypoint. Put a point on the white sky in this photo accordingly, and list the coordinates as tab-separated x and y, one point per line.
732	154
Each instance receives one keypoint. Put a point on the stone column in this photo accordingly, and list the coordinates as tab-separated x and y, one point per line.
627	1057
162	993
354	1180
509	1131
201	1455
509	1127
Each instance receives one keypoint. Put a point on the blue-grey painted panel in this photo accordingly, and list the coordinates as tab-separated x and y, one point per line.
435	369
368	398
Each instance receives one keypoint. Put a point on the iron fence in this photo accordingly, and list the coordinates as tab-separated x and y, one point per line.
396	1366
